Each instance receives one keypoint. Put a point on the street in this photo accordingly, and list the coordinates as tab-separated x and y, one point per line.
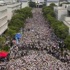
38	42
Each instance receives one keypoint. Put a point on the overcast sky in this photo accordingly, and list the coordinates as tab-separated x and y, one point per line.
51	0
55	0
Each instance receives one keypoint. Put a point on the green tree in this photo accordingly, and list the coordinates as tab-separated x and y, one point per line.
67	42
32	4
52	5
59	28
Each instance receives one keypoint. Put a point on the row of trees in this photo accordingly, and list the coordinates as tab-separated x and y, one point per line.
17	21
60	29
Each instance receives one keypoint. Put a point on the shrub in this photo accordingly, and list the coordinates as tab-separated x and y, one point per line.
48	10
11	32
2	42
67	42
59	28
18	20
61	31
6	48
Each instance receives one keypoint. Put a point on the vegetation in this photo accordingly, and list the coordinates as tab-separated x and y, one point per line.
52	5
67	42
32	4
15	24
59	28
18	20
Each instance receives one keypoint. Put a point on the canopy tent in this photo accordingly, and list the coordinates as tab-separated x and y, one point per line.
3	54
18	36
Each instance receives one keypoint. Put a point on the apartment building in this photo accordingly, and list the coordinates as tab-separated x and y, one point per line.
48	2
11	8
10	1
63	14
6	13
3	18
7	8
60	12
24	3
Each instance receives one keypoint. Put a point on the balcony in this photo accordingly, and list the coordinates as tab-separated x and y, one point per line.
13	5
3	28
3	8
3	21
11	8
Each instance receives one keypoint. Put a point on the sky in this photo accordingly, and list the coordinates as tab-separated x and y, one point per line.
54	0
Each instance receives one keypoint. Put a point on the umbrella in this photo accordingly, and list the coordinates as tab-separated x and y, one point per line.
18	35
3	54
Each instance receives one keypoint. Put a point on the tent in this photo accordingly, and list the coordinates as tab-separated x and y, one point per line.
3	54
18	36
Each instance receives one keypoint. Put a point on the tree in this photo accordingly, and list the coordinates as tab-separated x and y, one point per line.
32	4
62	31
2	42
15	24
67	42
59	28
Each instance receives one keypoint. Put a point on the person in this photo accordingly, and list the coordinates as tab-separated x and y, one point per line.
8	57
17	40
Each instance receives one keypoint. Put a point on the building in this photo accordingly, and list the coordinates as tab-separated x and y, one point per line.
60	12
48	2
3	18
11	8
39	3
10	1
57	2
67	18
63	1
6	13
63	14
7	8
24	3
12	5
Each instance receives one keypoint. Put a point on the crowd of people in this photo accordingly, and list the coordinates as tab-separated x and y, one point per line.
40	43
39	35
37	60
39	48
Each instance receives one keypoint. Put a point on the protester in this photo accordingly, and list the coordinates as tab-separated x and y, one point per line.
39	48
